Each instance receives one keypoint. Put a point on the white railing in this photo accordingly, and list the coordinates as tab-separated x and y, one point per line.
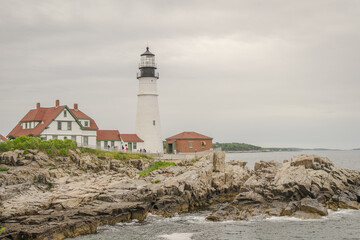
147	65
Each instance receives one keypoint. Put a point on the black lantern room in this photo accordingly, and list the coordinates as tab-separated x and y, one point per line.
147	65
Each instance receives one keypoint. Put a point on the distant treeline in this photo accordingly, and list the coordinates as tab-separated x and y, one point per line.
248	147
236	147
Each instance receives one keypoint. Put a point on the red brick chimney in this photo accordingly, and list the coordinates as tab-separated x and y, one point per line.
37	105
57	103
76	106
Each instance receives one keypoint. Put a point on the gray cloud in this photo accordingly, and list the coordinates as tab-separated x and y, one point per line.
273	73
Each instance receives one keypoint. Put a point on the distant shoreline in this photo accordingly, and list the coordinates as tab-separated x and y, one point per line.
258	151
290	150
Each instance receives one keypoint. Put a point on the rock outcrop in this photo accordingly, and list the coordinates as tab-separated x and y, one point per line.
304	187
55	198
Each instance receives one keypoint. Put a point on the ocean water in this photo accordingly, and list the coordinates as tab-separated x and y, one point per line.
343	224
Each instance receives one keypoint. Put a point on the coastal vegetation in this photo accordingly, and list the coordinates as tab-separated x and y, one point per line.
115	155
54	147
156	165
57	147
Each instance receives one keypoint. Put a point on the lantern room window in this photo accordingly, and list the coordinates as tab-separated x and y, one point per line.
147	61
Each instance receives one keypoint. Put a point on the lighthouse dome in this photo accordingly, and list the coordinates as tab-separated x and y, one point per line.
147	52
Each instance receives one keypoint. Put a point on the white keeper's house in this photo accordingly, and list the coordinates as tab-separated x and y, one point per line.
62	122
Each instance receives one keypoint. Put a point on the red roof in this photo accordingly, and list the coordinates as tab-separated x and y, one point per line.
40	114
81	115
130	138
3	138
112	135
189	135
46	115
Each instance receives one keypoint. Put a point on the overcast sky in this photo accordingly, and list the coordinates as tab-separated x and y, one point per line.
270	73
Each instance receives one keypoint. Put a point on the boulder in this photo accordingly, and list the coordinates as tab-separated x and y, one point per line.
219	162
312	206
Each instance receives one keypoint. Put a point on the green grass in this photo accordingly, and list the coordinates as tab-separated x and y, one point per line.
4	169
114	155
55	147
156	181
156	165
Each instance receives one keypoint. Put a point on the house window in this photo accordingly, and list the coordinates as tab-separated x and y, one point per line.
134	145
154	122
54	136
86	141
203	144
86	123
59	126
98	144
69	126
65	114
73	138
190	144
26	125
105	144
112	144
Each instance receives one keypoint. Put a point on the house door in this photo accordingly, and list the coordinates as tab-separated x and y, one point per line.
170	148
130	147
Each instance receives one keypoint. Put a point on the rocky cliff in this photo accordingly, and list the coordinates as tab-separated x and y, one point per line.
305	187
55	198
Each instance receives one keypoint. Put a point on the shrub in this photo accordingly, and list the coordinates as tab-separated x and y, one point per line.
114	155
63	152
51	147
156	165
4	169
2	229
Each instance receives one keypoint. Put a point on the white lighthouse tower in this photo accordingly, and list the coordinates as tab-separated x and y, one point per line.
148	126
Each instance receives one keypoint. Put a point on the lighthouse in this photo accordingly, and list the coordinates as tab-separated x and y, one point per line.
148	126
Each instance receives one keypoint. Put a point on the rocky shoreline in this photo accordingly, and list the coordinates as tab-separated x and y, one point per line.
62	197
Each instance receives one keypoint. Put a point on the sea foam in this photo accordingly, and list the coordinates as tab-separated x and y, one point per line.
177	236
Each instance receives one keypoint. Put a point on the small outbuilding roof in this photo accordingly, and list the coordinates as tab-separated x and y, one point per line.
189	135
130	138
3	138
111	135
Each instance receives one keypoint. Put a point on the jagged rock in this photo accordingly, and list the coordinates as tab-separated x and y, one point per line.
248	197
33	151
29	156
9	158
219	162
62	197
303	187
225	212
312	206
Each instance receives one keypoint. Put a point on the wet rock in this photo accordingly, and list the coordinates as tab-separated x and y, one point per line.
312	206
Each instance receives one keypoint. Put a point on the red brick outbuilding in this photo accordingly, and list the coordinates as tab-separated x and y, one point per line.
188	142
